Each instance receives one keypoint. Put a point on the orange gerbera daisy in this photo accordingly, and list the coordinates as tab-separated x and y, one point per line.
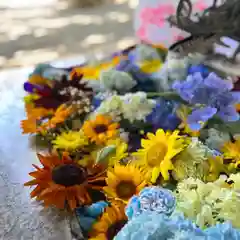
29	125
59	116
37	113
110	223
61	181
101	129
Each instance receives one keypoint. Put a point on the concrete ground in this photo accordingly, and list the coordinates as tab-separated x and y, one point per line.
33	32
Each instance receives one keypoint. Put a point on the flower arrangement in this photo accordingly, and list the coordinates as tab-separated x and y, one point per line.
140	146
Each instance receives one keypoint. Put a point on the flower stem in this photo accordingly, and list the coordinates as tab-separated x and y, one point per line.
167	95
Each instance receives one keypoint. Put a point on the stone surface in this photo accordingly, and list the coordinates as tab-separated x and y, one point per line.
20	217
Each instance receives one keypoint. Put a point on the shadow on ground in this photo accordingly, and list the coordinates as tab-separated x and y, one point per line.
44	33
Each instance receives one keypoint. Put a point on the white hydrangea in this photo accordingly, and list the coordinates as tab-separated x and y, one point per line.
131	106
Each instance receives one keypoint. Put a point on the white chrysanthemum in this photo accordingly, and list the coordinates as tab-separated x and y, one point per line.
136	106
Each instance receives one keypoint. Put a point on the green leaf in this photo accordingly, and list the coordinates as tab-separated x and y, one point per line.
104	154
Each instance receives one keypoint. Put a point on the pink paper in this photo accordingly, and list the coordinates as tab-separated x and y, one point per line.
150	21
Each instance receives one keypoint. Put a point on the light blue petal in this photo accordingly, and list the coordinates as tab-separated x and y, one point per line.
228	114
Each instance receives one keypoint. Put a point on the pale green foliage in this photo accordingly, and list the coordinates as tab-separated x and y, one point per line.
117	80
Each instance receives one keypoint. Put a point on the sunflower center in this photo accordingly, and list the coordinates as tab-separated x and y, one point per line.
114	229
125	189
69	175
156	154
100	128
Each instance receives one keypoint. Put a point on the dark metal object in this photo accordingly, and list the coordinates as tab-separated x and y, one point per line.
207	30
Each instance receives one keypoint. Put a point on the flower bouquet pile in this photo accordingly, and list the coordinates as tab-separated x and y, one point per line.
139	146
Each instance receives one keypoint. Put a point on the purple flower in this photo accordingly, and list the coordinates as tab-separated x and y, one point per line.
212	93
200	116
198	68
163	116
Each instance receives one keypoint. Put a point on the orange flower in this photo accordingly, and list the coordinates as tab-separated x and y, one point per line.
93	72
37	79
101	129
61	181
29	126
59	116
37	113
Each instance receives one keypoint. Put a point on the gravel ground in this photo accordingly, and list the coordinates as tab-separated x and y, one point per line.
31	32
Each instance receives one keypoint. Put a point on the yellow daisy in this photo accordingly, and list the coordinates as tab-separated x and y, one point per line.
70	141
101	129
110	223
124	181
120	152
158	150
151	66
93	72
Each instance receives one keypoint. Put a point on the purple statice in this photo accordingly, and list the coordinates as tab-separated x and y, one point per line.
209	96
164	115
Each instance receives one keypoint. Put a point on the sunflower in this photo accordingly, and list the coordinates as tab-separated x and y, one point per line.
101	129
110	223
157	152
124	181
61	181
70	141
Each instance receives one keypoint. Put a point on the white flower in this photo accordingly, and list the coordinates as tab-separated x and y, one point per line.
117	80
131	106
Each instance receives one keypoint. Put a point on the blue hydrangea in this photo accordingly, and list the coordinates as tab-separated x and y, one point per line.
199	68
87	215
210	95
152	226
156	199
223	231
144	81
164	116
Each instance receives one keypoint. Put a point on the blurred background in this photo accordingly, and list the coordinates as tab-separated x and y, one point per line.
34	31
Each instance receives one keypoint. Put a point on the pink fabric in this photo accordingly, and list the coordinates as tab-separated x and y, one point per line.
151	25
